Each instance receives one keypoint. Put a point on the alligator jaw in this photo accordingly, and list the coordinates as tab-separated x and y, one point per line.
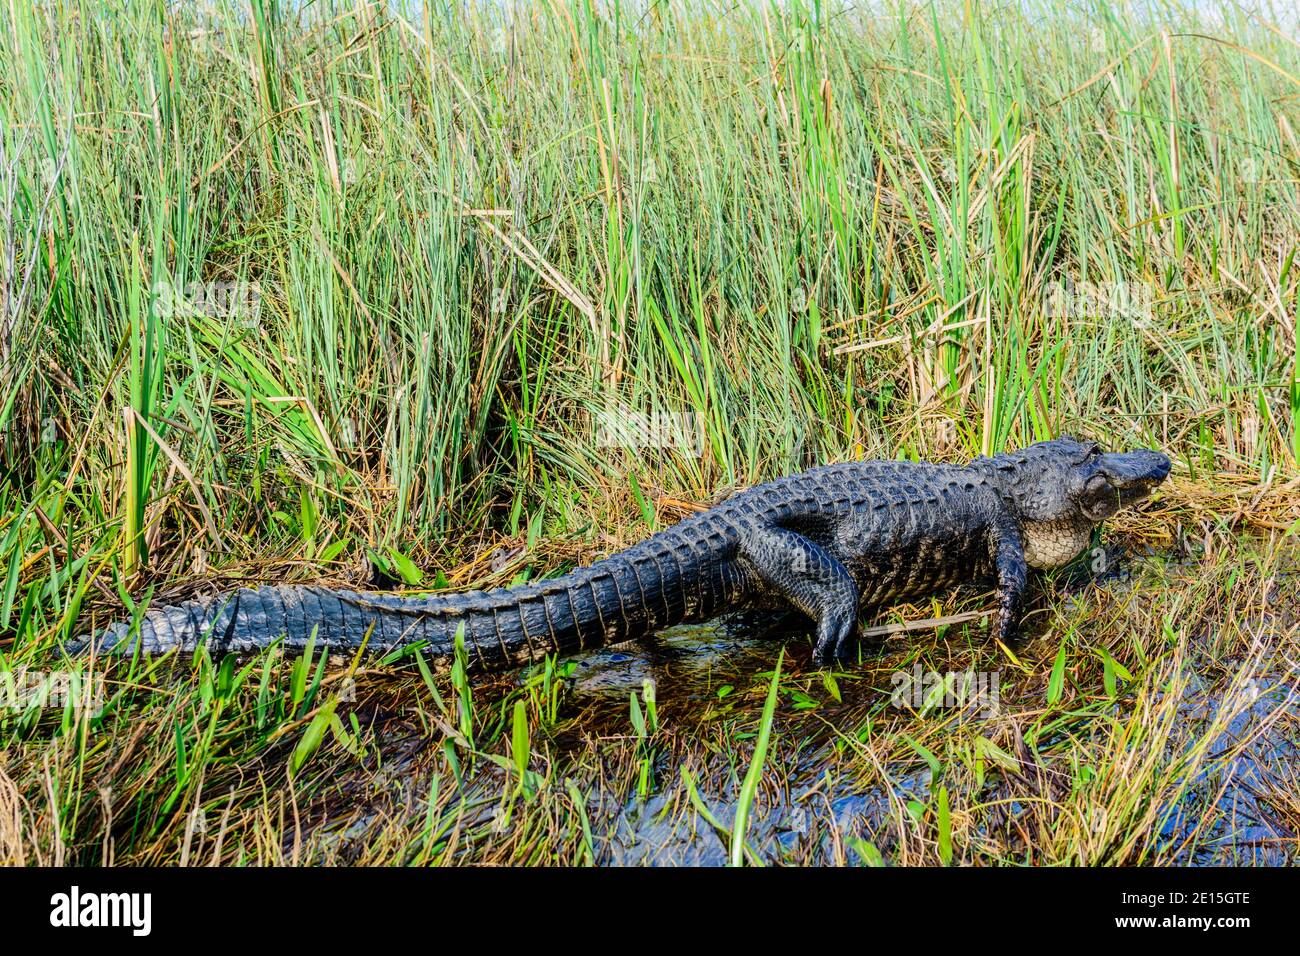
1121	479
1134	474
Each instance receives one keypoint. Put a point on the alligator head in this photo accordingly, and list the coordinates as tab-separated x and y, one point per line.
1061	490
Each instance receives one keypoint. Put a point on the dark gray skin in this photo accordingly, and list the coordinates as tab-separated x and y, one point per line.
836	543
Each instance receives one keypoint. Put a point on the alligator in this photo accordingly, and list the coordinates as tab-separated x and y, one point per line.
835	543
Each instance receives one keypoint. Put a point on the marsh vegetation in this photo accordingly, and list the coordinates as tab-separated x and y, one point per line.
462	294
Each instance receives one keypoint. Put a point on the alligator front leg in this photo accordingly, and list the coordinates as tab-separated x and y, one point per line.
1008	554
810	578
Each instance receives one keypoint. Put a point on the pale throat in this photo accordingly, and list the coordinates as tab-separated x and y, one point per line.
1050	544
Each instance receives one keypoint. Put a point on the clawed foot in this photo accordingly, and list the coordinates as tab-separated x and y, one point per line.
836	639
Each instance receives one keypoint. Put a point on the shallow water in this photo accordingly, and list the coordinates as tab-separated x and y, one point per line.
818	809
819	806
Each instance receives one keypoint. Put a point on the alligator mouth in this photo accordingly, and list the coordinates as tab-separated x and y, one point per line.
1131	475
1136	471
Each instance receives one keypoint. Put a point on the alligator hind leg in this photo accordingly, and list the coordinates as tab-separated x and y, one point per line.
810	578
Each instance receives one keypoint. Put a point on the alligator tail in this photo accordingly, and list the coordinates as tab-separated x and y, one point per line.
623	597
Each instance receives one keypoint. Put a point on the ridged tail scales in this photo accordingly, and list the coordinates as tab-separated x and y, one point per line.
622	597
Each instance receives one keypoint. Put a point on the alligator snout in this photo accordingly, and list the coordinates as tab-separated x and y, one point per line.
1142	467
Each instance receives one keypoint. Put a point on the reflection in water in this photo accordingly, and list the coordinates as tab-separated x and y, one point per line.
684	661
